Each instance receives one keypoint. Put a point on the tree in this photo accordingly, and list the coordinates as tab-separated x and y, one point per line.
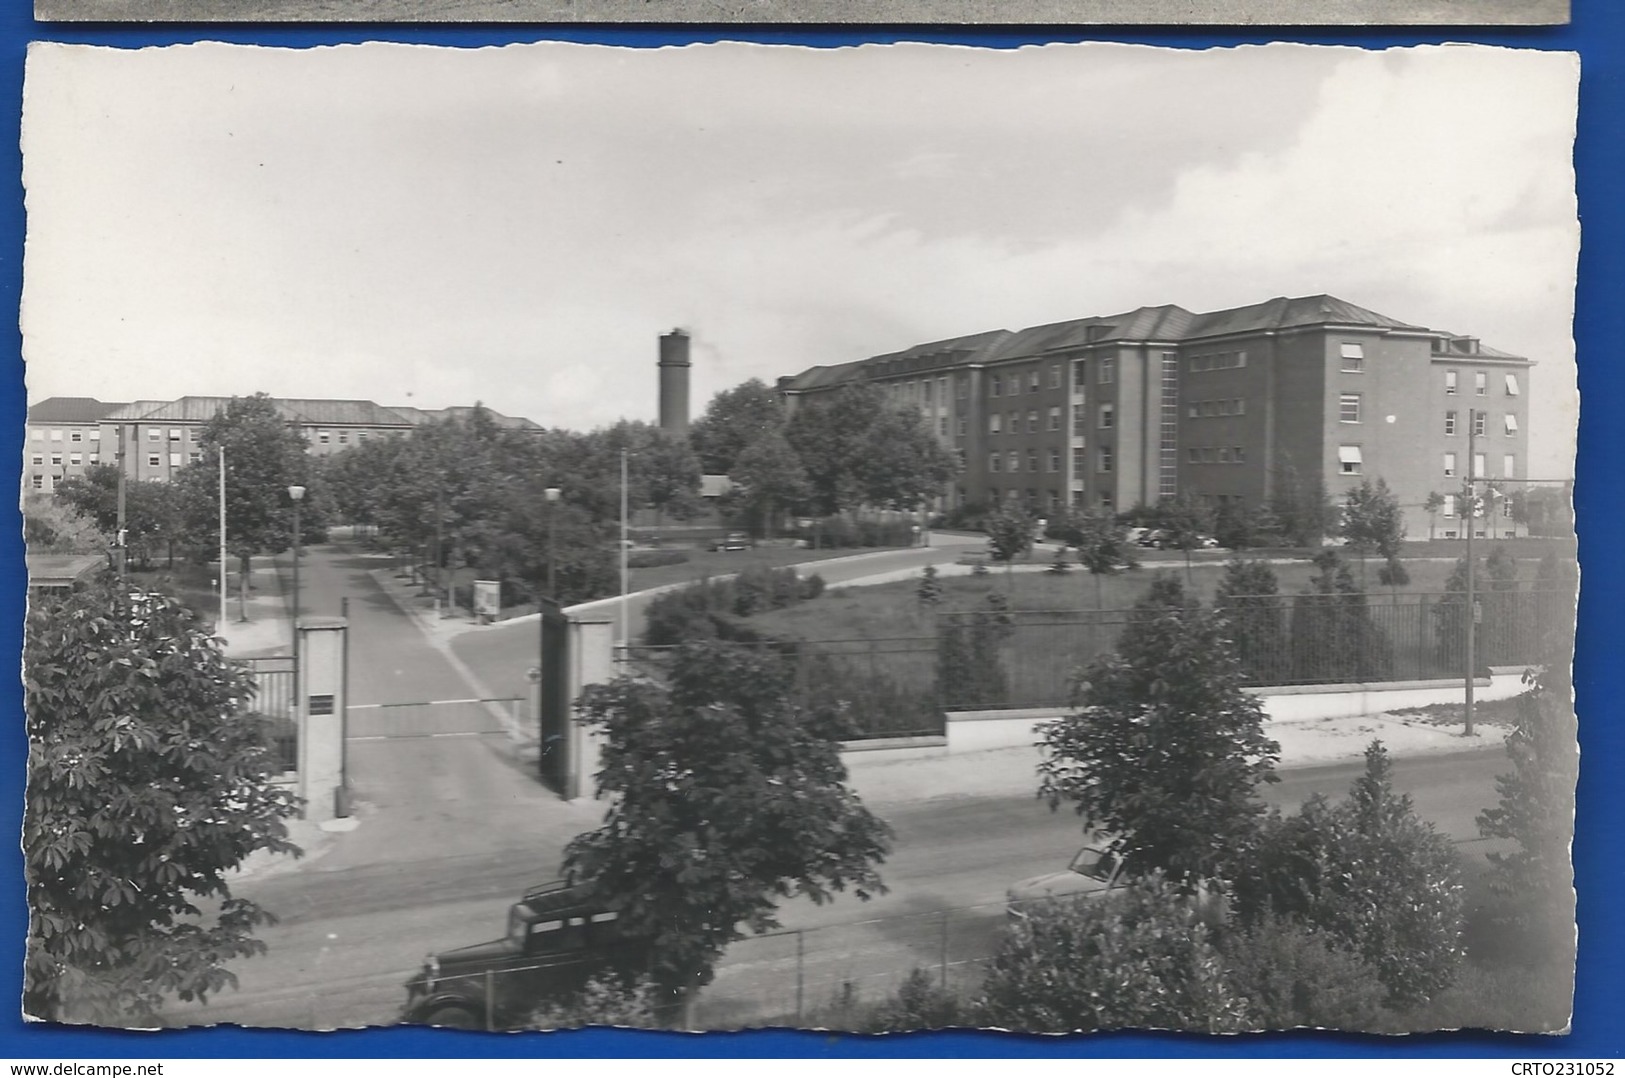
1535	812
1102	546
151	510
1503	633
1248	600
1556	580
1302	507
970	661
1296	976
1166	749
148	784
1185	523
1431	506
1232	526
1141	958
265	455
734	420
929	589
50	526
768	478
859	450
1333	636
725	797
1009	535
1373	522
1368	873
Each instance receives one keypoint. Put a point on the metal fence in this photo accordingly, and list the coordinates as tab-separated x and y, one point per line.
275	691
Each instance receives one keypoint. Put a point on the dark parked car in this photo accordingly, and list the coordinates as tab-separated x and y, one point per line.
732	541
559	938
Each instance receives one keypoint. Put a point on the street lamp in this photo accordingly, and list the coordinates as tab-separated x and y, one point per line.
552	496
297	494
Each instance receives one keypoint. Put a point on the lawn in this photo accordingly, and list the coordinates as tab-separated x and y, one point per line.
703	563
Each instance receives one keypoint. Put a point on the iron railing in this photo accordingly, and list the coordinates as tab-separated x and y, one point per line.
275	680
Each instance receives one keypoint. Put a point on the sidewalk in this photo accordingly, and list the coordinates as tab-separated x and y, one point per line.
268	630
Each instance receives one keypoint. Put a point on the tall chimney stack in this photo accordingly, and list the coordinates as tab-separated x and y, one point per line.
674	382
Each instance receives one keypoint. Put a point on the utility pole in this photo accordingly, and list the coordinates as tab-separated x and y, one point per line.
626	628
222	538
1471	511
118	538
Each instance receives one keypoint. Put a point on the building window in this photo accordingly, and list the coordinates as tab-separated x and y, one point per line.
1449	507
1353	357
1106	373
1218	361
1015	422
1512	385
174	435
1449	465
1450	423
75	436
194	457
1238	456
361	435
995	463
1055	376
95	458
56	434
942	427
1192	456
1105	458
995	386
1479	471
1478	424
38	460
56	459
1080	419
1054	460
154	460
1032	421
38	433
993	422
1080	459
1080	373
344	437
38	481
1014	460
1349	459
1106	418
1509	466
96	434
1481	383
1055	418
76	458
1511	423
1450	383
962	388
1348	408
1032	460
960	427
1224	454
1032	381
154	434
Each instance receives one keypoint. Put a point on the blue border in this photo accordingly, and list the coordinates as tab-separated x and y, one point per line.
1597	33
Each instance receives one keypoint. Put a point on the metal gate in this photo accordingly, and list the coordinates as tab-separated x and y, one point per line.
275	689
473	717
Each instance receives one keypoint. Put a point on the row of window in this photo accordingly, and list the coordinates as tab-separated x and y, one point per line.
1481	380
38	434
1509	465
1203	409
38	459
1222	454
1450	506
1509	423
996	423
1218	361
1052	498
996	462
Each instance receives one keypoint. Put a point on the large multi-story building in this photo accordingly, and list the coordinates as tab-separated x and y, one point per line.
66	435
1127	409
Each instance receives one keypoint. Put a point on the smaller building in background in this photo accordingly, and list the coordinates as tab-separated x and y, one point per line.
66	435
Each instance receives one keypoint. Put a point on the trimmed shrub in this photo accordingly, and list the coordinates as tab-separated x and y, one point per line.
1293	976
649	559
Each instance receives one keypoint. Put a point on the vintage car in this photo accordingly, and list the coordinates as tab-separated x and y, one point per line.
732	541
1094	870
559	938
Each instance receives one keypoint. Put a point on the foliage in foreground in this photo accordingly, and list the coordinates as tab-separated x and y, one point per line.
725	798
605	1001
1293	976
147	785
1369	874
1166	748
1144	958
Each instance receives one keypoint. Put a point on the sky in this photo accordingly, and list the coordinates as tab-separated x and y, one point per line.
518	225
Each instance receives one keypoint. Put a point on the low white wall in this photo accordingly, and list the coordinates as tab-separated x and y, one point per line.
978	731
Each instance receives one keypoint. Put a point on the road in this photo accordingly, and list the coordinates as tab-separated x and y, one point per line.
350	936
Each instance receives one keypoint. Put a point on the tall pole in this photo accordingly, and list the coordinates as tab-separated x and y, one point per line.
1472	520
296	502
626	625
439	554
119	553
222	450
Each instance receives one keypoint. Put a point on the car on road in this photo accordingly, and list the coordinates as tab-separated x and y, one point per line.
1094	870
731	541
559	938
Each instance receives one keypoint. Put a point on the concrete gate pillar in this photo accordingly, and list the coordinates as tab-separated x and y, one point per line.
592	662
321	644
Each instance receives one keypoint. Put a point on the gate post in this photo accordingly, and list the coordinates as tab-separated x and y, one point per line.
592	662
320	704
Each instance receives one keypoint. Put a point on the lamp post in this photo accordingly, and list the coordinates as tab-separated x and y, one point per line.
552	496
1471	510
297	494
